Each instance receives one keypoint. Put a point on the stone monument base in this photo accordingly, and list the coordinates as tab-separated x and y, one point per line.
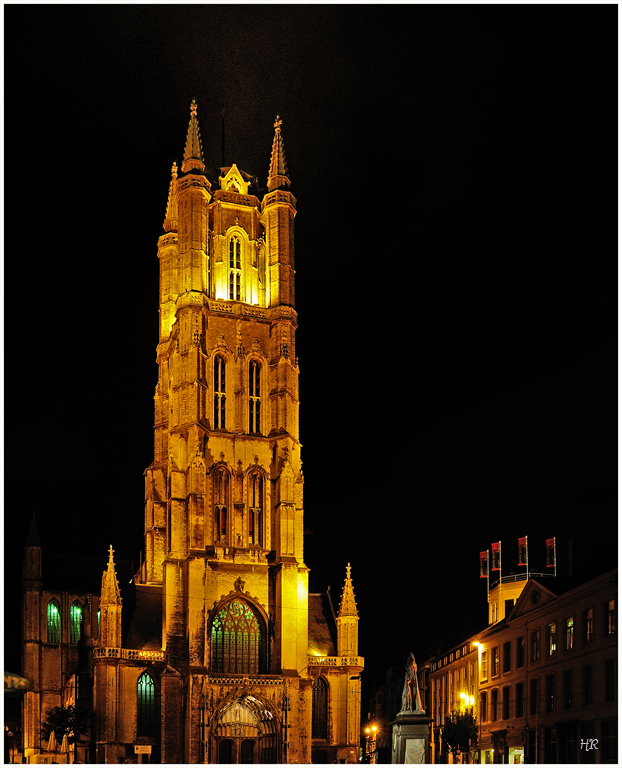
411	738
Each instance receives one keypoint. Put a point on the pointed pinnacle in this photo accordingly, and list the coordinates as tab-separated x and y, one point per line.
278	175
193	152
348	601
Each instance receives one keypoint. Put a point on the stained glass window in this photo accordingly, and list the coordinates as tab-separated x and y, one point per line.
236	639
319	725
75	622
53	622
146	705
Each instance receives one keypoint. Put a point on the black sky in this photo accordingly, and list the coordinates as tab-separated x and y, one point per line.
456	175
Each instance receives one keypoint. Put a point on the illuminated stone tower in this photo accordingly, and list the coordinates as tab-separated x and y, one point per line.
223	511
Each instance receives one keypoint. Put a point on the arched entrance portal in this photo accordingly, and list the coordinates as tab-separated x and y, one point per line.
245	732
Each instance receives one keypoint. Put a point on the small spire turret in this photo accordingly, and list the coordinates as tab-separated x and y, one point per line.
172	217
193	153
278	175
348	602
111	594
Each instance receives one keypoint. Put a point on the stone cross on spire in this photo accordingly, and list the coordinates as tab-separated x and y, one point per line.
278	175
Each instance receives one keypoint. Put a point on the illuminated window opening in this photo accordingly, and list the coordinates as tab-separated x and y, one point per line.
53	622
255	509
235	269
220	396
221	494
75	622
254	397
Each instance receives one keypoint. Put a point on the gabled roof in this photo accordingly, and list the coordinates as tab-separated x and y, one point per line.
533	596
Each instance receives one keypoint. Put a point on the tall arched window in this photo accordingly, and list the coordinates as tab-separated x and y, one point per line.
235	269
221	497
75	622
319	722
220	395
255	508
53	621
145	692
254	397
236	639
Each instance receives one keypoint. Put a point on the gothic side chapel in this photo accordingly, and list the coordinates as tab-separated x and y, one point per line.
217	653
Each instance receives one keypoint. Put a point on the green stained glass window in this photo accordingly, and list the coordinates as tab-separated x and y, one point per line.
75	622
53	622
236	639
146	705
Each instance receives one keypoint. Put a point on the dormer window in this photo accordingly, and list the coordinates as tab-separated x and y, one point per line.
235	269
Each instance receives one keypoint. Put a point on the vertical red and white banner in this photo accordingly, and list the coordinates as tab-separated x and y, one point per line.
523	556
496	556
483	565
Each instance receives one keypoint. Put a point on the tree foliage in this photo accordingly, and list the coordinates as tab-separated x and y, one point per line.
65	720
460	732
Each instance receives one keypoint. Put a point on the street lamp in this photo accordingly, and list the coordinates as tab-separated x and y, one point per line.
370	743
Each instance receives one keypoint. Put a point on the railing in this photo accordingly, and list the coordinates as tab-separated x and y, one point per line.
129	653
230	678
336	661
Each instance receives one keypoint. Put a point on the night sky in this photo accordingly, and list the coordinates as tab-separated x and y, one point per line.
456	175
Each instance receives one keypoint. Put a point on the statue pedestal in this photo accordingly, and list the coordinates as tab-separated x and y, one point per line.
411	738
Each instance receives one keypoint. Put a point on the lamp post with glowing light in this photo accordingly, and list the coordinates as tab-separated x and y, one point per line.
370	744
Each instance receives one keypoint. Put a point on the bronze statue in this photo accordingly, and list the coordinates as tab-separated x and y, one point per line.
411	701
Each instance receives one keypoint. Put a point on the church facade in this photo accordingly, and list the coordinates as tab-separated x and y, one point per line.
219	654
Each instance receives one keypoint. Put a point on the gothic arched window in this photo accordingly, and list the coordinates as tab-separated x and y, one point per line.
236	639
235	269
254	396
220	395
53	621
319	722
221	497
75	622
255	508
145	692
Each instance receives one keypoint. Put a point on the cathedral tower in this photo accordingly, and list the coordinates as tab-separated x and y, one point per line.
223	509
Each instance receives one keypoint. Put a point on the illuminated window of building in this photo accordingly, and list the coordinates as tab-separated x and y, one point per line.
610	613
220	392
75	622
235	269
255	508
236	639
484	669
319	724
99	613
145	691
53	622
551	633
495	661
588	625
569	632
221	499
254	397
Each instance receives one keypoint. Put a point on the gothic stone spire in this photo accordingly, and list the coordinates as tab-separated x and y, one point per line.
193	153
278	175
111	594
348	603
